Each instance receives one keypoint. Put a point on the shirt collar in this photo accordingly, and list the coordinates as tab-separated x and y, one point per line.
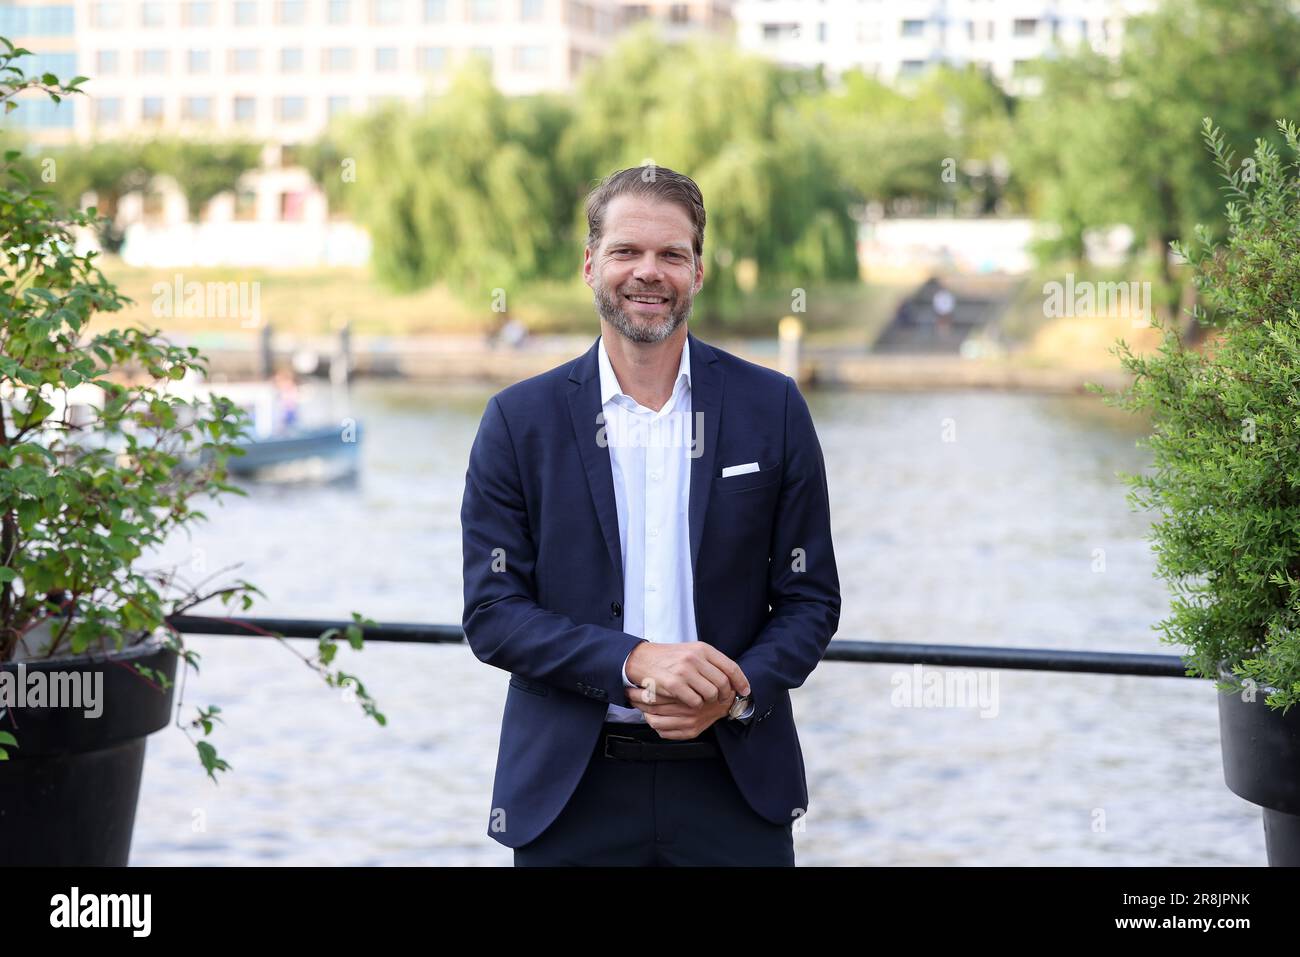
609	385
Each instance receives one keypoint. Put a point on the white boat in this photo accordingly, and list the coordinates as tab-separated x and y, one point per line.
316	444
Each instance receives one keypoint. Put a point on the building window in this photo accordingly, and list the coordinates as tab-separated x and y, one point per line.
431	59
679	13
908	68
912	28
151	61
152	14
581	15
106	15
337	59
108	111
153	207
245	109
435	11
340	11
482	11
290	11
635	12
821	32
196	108
483	52
198	61
335	106
245	13
291	206
385	59
62	64
245	205
151	109
1024	27
106	62
197	14
29	21
780	31
531	9
44	114
243	60
530	59
291	60
290	109
385	12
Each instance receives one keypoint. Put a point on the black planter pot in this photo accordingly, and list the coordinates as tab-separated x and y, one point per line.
1261	763
69	789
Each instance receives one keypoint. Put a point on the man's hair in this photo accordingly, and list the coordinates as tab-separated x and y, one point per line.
652	182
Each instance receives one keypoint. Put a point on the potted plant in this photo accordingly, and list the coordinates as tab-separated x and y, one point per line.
1226	480
88	658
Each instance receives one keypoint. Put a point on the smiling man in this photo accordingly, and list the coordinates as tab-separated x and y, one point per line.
647	550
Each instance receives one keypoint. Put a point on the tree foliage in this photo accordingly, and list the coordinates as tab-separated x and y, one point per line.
1226	433
1112	142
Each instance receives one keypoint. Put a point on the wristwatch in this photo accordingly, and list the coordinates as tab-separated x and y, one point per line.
739	706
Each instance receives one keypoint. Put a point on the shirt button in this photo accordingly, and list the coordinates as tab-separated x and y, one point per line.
654	532
656	475
615	609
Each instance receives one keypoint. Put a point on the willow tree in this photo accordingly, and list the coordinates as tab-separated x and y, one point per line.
937	139
729	120
462	189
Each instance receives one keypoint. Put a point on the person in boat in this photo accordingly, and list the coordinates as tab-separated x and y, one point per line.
286	396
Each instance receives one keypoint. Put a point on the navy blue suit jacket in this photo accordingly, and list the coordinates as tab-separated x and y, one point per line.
544	577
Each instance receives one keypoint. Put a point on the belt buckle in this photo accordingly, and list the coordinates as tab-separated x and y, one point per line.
617	737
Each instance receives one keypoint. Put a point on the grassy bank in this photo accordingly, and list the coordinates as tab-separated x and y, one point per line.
318	301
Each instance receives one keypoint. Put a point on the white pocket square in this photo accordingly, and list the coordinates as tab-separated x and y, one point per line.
739	469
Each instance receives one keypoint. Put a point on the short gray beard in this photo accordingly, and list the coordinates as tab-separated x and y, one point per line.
609	306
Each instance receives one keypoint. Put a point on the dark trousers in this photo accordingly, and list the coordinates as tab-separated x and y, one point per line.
658	813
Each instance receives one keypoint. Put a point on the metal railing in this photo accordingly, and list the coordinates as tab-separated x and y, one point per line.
872	652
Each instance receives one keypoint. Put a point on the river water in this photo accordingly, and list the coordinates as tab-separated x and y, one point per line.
959	517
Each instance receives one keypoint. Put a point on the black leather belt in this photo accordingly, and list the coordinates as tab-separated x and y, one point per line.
637	741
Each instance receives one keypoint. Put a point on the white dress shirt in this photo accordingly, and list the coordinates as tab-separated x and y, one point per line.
650	459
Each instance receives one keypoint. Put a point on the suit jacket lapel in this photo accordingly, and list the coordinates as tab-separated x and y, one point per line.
584	408
706	412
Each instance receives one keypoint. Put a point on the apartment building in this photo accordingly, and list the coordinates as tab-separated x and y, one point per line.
897	39
281	69
680	21
277	72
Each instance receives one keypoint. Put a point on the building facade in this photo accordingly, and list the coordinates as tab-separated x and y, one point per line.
897	39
